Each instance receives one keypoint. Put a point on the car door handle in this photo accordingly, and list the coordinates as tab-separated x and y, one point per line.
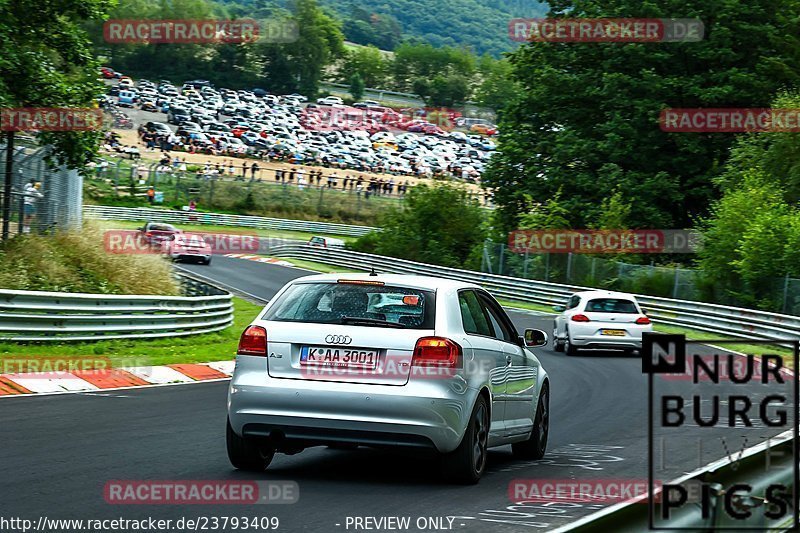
508	360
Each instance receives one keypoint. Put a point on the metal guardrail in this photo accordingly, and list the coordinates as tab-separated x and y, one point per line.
192	217
58	316
731	321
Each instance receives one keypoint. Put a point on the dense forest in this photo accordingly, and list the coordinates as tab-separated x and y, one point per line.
480	25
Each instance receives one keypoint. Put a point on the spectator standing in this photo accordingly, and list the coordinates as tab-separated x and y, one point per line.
253	170
32	195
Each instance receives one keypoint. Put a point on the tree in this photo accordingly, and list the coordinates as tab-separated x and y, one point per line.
497	86
299	66
751	240
368	62
46	60
587	119
440	225
356	86
413	62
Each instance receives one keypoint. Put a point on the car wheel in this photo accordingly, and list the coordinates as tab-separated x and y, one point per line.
536	445
558	344
246	454
207	261
569	347
467	463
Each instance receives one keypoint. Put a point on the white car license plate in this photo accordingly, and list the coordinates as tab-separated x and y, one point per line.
613	332
338	357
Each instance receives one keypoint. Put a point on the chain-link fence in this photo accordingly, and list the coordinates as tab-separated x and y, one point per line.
777	295
43	195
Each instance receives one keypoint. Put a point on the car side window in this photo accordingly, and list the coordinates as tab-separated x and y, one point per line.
502	329
472	315
573	302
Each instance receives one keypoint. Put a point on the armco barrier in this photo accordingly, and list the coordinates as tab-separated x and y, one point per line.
731	321
59	316
192	217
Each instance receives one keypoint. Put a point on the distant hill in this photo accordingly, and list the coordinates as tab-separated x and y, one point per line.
481	25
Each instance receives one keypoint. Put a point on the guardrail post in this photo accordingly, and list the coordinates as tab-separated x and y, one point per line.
547	267
500	262
676	283
785	293
525	265
569	267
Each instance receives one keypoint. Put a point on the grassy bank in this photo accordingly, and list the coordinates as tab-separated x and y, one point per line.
77	261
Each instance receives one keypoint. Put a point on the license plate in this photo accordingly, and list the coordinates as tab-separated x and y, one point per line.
338	357
613	332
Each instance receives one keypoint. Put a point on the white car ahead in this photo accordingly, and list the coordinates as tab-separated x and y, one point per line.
600	320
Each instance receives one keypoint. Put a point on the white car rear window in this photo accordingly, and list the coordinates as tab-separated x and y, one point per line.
611	305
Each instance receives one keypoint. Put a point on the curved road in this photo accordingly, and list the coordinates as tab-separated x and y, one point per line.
62	449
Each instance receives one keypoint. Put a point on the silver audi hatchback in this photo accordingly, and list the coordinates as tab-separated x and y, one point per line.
387	360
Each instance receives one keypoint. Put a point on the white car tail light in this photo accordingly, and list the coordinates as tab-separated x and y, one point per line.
253	341
643	320
580	318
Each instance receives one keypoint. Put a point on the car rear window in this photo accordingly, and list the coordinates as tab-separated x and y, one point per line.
330	302
611	305
162	227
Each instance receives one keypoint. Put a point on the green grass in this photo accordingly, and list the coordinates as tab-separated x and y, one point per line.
218	346
279	234
317	267
512	304
740	346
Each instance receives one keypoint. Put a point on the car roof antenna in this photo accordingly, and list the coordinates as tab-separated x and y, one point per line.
372	271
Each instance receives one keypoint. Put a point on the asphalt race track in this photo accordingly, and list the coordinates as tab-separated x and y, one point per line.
62	449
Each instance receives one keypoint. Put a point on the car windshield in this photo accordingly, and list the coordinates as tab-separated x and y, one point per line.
611	305
355	303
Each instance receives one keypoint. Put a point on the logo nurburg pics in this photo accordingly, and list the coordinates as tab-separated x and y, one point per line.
663	353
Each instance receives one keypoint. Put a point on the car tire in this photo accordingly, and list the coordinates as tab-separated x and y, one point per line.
207	261
536	446
466	464
558	344
570	348
247	454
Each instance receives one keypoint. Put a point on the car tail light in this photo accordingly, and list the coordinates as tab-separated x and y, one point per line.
642	320
436	351
149	233
580	318
253	341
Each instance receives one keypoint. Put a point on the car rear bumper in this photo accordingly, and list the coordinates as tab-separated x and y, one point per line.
193	257
620	343
424	413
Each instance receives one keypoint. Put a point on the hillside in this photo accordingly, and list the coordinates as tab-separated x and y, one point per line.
479	24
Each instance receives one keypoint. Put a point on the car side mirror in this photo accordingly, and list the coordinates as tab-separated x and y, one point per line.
534	337
559	308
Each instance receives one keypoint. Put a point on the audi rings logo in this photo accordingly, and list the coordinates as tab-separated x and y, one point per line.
338	339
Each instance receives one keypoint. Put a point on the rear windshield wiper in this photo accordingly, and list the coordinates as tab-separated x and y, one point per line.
356	320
